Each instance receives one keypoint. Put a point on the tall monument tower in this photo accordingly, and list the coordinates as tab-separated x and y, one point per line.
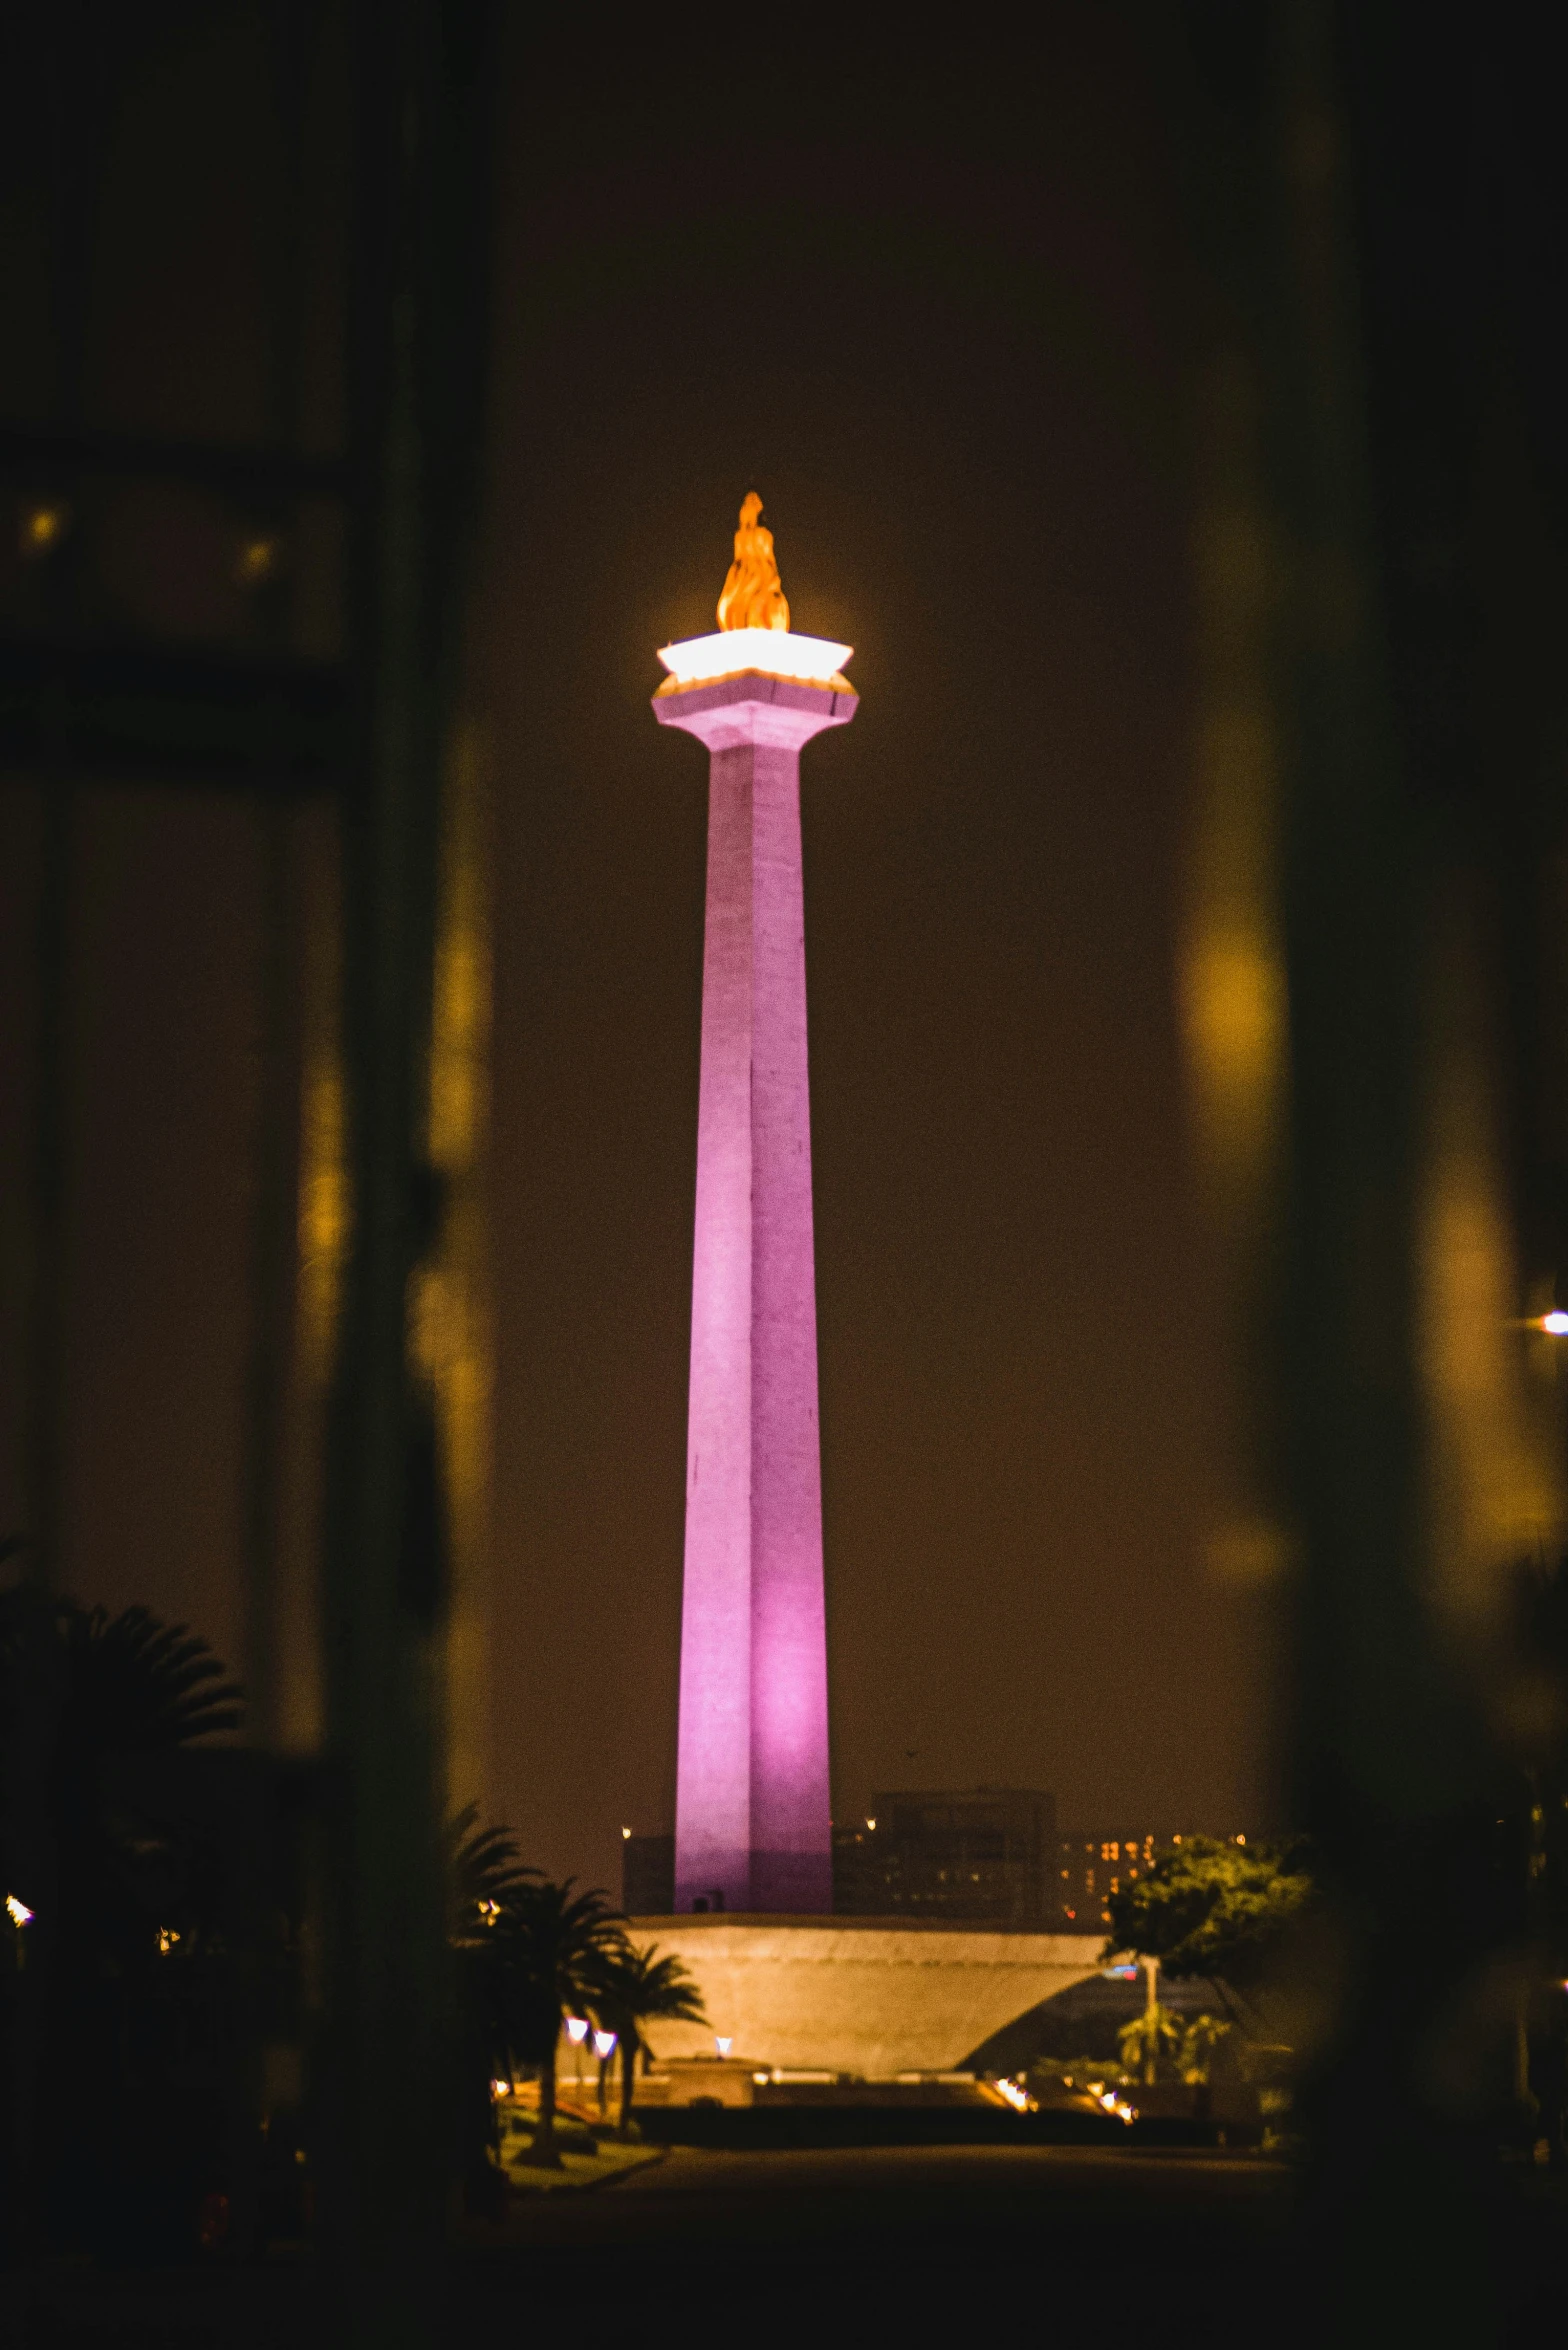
752	1825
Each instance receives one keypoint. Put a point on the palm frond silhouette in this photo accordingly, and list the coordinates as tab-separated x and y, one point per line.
136	1685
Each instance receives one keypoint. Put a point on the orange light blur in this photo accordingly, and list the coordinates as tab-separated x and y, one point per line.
42	527
256	562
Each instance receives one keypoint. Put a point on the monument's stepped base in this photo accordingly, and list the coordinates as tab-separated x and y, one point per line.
859	1995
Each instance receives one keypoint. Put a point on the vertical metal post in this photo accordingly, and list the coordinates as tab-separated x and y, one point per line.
76	104
421	313
1390	1756
1151	2003
44	1370
274	1180
1341	619
277	1054
454	1343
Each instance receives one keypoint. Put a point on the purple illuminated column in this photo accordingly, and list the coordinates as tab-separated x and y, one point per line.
751	1807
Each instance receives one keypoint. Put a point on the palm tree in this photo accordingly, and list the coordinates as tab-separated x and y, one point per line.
634	1987
484	1871
484	1876
104	1862
91	1687
1154	2033
554	1946
135	1685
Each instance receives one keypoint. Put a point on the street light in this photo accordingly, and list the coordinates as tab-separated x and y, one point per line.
577	2033
604	2049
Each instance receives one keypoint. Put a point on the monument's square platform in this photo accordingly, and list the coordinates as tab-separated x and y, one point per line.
858	1995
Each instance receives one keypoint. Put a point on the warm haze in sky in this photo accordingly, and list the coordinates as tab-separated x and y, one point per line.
946	326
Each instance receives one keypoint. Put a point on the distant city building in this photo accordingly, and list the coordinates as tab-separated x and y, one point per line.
648	1876
979	1856
976	1856
1091	1868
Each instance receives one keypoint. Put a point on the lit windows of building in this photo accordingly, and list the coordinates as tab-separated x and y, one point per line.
1091	1868
980	1855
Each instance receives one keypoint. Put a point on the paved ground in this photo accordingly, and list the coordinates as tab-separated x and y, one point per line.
912	2245
833	2196
1062	2244
811	2243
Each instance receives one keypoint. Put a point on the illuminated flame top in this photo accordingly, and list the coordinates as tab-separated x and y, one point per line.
753	594
754	631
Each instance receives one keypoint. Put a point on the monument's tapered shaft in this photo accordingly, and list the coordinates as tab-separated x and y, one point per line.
752	1807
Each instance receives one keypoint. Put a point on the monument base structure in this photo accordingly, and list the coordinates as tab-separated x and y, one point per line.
858	1995
752	1825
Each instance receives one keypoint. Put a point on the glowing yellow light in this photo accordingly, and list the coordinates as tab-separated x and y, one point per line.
256	561
577	2029
626	1835
20	1914
808	660
753	597
871	1824
500	2088
489	1911
168	1936
43	527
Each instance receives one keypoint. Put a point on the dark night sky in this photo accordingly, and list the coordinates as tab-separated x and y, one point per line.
940	319
942	333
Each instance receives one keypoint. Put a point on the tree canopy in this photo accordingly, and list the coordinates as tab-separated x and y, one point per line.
1214	1909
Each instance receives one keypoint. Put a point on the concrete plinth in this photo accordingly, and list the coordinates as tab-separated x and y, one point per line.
859	1995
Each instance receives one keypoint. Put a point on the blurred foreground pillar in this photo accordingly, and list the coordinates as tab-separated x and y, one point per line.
1420	1477
422	299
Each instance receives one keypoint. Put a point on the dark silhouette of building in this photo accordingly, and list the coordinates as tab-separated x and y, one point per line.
980	1856
648	1876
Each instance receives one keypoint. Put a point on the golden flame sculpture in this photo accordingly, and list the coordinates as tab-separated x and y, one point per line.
753	594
